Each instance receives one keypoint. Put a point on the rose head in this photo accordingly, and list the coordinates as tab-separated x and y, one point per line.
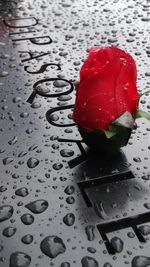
107	88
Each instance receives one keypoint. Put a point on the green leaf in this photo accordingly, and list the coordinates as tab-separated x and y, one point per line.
142	114
109	134
125	120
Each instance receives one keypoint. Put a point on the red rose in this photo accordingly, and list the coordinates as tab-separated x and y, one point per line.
107	88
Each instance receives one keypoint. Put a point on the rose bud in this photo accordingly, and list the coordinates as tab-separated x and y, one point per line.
107	99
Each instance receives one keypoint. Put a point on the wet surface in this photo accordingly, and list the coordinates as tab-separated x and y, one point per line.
61	204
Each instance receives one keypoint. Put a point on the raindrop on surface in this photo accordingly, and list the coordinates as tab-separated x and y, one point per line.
52	246
70	200
16	99
66	153
22	192
99	209
33	147
69	219
19	259
144	229
27	239
32	162
91	250
36	105
9	231
147	205
7	160
130	234
140	261
69	190
64	97
22	154
117	244
60	83
6	211
137	159
57	166
4	73
27	219
89	262
54	117
107	264
24	114
13	140
89	230
37	206
3	188
65	264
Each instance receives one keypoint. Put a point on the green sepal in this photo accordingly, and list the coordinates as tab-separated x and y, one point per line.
109	134
142	114
125	120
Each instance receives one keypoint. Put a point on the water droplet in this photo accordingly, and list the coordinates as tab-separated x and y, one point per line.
27	239
89	230
7	160
52	246
65	264
100	210
89	262
9	231
17	99
6	211
27	218
70	200
32	162
147	205
117	244
57	166
60	83
36	105
3	73
54	117
69	190
33	147
140	261
144	229
22	192
24	114
91	250
22	154
37	206
137	159
13	140
19	259
107	264
66	153
69	219
131	234
3	188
